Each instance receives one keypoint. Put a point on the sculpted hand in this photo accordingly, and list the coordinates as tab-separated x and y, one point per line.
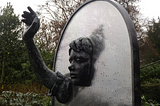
32	22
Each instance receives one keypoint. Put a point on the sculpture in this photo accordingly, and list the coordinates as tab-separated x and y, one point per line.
80	59
112	64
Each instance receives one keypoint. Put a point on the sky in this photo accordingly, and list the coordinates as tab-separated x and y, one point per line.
149	8
21	5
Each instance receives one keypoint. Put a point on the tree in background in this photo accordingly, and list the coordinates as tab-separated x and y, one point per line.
154	34
10	45
15	67
153	40
55	13
147	52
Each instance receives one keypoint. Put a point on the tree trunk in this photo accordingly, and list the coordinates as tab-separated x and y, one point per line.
2	75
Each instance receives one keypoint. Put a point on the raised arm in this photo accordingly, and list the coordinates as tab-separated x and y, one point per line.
59	85
42	72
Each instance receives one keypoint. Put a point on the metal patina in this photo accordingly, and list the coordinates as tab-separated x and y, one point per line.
97	59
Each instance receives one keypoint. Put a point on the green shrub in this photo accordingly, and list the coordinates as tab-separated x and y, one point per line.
149	102
11	98
150	74
150	85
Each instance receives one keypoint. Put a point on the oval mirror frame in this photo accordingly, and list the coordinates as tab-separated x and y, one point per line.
116	78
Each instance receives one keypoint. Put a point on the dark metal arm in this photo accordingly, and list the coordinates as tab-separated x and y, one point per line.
42	72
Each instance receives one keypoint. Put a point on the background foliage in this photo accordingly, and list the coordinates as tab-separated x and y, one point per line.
17	81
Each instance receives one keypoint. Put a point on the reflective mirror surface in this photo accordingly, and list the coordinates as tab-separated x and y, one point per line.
113	82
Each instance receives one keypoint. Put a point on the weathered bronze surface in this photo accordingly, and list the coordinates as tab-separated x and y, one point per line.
115	59
102	66
59	85
80	58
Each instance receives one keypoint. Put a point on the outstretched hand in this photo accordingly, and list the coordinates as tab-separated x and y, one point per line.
31	20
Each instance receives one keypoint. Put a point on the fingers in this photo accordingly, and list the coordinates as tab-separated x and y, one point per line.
25	14
27	22
29	14
30	9
28	17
